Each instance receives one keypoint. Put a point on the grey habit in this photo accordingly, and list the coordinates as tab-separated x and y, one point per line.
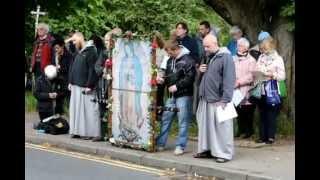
84	114
216	85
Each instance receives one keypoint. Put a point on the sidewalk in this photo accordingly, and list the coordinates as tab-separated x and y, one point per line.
270	162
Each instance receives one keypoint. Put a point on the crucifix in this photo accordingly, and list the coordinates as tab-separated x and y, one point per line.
37	13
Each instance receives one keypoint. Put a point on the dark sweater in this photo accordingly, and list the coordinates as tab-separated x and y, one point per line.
82	72
43	88
64	63
192	45
181	72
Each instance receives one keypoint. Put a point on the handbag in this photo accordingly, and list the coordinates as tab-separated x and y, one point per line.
282	88
272	93
55	126
255	92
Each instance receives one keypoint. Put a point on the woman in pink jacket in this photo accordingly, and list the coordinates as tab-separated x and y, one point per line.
271	66
245	65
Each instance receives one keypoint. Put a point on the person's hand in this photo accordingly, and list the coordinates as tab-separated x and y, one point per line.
69	87
160	80
58	66
87	90
53	95
172	88
237	84
269	74
203	68
30	70
222	104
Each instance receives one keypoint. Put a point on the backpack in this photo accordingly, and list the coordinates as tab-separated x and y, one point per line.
55	126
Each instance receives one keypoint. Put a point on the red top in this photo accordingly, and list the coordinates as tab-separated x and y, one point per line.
42	49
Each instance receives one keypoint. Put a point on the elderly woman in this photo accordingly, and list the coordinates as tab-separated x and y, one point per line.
271	66
245	65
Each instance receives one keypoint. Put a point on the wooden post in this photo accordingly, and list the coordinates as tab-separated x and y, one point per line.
109	71
154	93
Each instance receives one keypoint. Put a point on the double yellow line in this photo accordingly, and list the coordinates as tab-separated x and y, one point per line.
98	159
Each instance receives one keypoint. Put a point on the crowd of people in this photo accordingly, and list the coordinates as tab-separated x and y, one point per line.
196	73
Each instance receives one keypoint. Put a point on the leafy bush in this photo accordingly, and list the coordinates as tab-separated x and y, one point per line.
99	16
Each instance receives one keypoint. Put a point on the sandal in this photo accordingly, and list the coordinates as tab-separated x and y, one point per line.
205	154
221	160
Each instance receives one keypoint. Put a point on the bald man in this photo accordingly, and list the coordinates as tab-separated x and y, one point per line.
216	89
84	113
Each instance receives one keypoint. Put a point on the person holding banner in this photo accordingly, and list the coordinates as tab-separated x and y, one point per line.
215	137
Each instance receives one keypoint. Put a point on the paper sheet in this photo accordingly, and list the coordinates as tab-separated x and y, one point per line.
237	97
229	112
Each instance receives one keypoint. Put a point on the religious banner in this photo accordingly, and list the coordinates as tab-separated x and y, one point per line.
132	94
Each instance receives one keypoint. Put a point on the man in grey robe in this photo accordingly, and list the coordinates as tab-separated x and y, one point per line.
84	112
216	89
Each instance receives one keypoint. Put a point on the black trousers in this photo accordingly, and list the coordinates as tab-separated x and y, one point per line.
37	70
245	119
160	94
160	101
104	125
268	120
44	115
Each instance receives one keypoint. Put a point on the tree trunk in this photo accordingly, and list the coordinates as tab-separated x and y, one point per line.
252	16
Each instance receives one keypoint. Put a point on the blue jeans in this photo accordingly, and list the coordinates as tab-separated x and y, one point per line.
184	104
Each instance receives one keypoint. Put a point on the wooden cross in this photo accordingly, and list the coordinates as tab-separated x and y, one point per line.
37	13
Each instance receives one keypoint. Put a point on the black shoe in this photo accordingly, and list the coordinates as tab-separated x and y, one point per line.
270	141
75	136
96	139
221	160
86	138
206	154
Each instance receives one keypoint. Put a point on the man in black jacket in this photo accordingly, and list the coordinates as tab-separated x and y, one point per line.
184	39
179	78
102	87
84	112
50	93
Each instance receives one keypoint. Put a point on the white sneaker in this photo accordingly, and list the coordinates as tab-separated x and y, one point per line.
178	151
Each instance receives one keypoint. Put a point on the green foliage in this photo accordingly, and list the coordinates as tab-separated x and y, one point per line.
99	16
289	11
30	102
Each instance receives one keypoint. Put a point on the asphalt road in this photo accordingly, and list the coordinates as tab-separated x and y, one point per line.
44	165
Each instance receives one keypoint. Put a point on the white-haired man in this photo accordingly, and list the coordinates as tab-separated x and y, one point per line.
236	34
84	113
42	50
216	89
